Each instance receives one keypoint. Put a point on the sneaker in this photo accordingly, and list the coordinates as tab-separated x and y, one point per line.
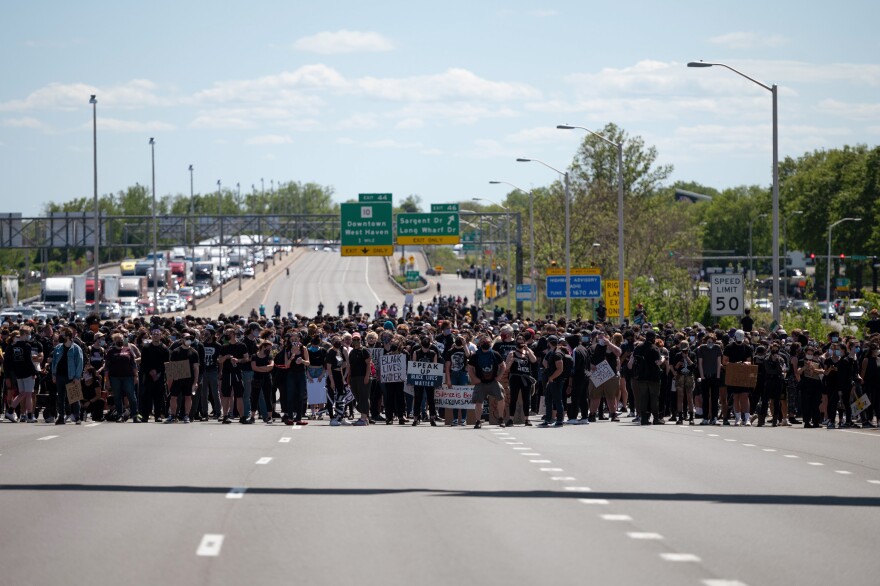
77	420
455	422
185	419
49	419
68	419
245	420
510	423
300	422
830	425
60	421
714	421
171	420
32	419
335	423
585	421
558	424
727	422
544	424
747	422
704	422
736	422
226	420
785	423
528	423
359	423
500	423
478	424
868	424
138	419
344	422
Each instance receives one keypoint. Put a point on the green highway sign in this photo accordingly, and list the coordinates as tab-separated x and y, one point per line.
444	207
365	229
433	228
373	197
412	276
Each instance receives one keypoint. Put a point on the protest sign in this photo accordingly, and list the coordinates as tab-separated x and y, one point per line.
74	392
455	397
602	374
424	374
393	368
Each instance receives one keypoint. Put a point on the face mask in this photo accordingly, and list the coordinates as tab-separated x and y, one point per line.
393	347
485	345
101	343
601	341
710	344
447	332
173	338
691	339
26	338
837	352
809	356
834	338
119	344
239	338
187	342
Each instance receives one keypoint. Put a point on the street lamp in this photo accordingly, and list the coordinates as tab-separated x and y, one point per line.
94	102
773	90
507	233
534	293
785	244
620	250
567	236
155	229
828	268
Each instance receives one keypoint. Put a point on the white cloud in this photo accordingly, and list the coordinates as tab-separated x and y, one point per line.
389	143
541	134
220	121
359	122
454	83
744	40
137	93
432	152
115	125
344	41
855	111
269	139
345	140
410	124
465	113
24	122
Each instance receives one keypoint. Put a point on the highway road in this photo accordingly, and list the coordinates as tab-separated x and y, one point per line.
386	505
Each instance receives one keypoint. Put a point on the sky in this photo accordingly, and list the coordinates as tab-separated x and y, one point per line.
433	99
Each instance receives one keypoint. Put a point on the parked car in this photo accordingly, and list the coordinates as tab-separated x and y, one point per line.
828	311
762	304
800	305
855	313
248	273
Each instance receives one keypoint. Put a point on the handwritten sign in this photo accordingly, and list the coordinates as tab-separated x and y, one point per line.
858	405
376	358
74	392
393	368
602	374
178	370
455	397
424	374
316	391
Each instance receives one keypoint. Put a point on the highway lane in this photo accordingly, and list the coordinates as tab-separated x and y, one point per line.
397	505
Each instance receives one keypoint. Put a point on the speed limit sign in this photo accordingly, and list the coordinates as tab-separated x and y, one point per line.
726	293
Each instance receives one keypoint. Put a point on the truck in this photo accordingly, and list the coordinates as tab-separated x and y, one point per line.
205	273
110	287
165	279
131	289
182	270
127	267
9	290
59	290
142	266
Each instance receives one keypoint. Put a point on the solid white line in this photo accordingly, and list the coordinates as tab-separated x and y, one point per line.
578	488
844	472
697	430
210	545
769	450
679	557
563	478
791	456
593	501
616	517
48	437
643	535
815	463
540	461
264	460
860	432
95	424
284	440
236	492
550	469
367	278
723	583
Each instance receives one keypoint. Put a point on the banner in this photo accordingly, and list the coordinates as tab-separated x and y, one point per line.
393	368
455	397
316	391
424	374
602	374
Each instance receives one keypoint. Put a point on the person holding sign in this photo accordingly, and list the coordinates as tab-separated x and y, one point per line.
67	367
484	367
395	403
187	383
358	378
604	356
457	355
424	353
336	368
519	367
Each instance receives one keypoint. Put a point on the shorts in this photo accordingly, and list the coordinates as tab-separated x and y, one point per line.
232	385
609	389
182	388
738	390
25	385
484	390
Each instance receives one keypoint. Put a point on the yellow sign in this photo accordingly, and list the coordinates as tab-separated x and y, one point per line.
402	260
367	250
428	239
612	297
587	271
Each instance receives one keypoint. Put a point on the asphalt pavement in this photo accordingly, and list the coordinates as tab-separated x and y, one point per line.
610	502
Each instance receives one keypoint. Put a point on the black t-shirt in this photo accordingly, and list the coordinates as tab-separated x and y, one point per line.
504	348
552	363
520	365
456	357
625	350
261	361
237	350
61	367
873	325
738	352
649	354
358	360
19	361
154	357
188	354
846	374
709	358
335	359
212	353
747	322
486	364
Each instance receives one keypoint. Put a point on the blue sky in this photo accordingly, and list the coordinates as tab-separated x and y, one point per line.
433	99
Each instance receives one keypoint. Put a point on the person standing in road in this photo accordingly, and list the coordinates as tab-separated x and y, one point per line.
738	353
648	363
232	355
709	368
424	353
484	367
122	369
554	371
210	376
336	369
262	365
183	389
67	367
395	404
153	359
604	350
19	364
683	365
519	368
358	378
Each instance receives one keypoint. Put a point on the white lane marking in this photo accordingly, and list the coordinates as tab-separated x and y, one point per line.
529	454
593	501
48	437
562	478
367	279
540	461
264	460
723	583
514	443
769	450
550	469
210	545
95	424
578	488
236	492
791	456
860	432
616	517
643	535
284	440
679	557
874	482
729	440
844	472
712	435
815	463
749	445
522	448
697	430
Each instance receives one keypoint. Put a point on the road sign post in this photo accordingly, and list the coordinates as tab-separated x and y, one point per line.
365	229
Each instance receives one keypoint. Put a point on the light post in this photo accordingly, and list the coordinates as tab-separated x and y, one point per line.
751	258
220	239
567	237
534	293
620	244
240	263
155	230
828	268
192	215
507	233
773	90
94	102
785	244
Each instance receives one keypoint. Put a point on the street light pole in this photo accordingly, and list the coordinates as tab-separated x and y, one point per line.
220	239
94	102
531	240
155	229
785	249
774	91
620	243
240	264
192	215
567	235
828	268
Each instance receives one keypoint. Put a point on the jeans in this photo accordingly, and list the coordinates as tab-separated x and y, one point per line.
649	400
247	379
208	390
710	397
120	385
61	385
295	388
553	400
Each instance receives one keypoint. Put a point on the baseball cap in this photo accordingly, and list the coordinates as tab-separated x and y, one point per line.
739	335
552	340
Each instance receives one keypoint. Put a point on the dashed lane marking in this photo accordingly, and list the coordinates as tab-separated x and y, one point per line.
723	583
562	478
514	443
264	460
713	435
844	472
616	517
95	424
578	488
284	440
815	463
679	557
47	437
729	440
593	501
749	445
522	448
236	492
791	456
529	454
769	450
550	469
210	545
643	535
540	461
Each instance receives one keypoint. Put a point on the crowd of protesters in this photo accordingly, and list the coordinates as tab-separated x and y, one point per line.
237	369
